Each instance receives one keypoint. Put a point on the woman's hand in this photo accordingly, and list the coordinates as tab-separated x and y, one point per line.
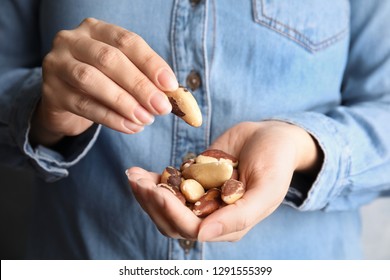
171	217
100	73
269	153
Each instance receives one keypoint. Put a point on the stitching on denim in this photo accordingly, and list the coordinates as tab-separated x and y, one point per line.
214	12
206	77
206	86
175	67
294	30
300	33
170	249
306	42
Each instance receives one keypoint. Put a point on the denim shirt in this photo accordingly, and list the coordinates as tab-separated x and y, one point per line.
323	65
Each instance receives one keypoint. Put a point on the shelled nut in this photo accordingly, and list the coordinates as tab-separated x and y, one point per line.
171	176
175	190
206	182
184	105
187	164
209	175
191	190
232	190
214	155
208	203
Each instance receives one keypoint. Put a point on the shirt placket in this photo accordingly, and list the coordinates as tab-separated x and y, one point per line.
189	22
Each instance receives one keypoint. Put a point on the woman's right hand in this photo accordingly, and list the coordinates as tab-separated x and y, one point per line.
100	73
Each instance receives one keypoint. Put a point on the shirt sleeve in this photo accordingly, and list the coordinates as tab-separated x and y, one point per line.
354	136
20	91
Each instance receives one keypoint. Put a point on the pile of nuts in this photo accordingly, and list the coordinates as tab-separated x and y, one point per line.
206	182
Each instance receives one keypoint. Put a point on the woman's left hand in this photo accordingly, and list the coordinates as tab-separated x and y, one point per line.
269	152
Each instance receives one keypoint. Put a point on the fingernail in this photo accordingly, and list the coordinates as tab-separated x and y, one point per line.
134	128
211	231
143	116
167	80
161	103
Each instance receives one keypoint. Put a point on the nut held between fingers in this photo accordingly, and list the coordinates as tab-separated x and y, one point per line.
184	106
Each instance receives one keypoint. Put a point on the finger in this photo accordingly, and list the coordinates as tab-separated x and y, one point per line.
96	85
261	198
231	237
232	140
156	70
177	214
79	103
139	173
138	51
148	203
183	223
164	208
114	64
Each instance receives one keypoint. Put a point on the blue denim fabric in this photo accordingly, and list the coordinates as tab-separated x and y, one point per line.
321	65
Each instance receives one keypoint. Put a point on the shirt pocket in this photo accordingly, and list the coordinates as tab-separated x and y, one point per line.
313	24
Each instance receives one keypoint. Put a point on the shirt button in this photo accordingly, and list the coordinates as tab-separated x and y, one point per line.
194	2
193	80
187	245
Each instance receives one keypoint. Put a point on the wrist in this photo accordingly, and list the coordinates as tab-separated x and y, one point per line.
309	153
39	134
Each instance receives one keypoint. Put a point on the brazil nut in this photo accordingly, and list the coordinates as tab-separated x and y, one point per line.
232	190
215	155
171	176
208	203
191	190
174	190
184	106
209	175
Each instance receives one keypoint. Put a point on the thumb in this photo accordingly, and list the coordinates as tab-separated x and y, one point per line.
233	139
230	223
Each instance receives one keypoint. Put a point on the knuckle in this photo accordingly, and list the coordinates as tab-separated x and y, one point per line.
82	74
82	104
124	39
120	99
141	83
106	56
61	37
106	117
48	61
46	89
89	21
149	59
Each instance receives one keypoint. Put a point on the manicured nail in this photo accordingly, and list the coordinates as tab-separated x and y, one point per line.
143	116
134	128
211	231
167	80
161	103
